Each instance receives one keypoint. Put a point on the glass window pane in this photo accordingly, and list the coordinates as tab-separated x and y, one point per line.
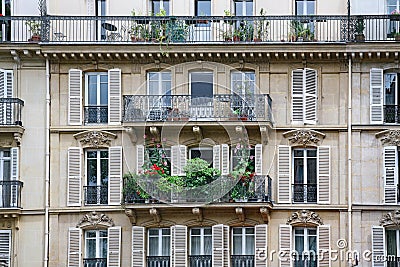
249	245
6	171
391	242
153	232
207	245
202	84
237	230
104	171
90	248
298	153
299	171
207	231
166	7
166	231
166	243
103	94
153	246
312	171
103	248
312	153
249	8
203	8
237	245
195	248
249	230
91	172
239	8
104	154
195	231
390	88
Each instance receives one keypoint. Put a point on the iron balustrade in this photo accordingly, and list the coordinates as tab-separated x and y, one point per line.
304	260
200	261
10	194
95	262
10	111
305	193
392	261
96	195
158	261
96	114
391	114
242	260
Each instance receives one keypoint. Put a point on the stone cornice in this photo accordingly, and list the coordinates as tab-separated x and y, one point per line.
304	217
94	220
304	137
95	139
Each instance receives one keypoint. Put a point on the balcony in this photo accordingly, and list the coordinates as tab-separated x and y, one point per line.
95	262
393	261
10	194
221	107
200	261
10	111
242	260
305	193
96	195
158	261
95	114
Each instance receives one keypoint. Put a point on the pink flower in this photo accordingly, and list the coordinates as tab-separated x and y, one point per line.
144	136
153	139
158	145
165	163
238	146
251	157
164	139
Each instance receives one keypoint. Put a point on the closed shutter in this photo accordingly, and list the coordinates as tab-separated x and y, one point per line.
178	160
74	176
75	97
261	240
297	96
218	245
378	246
376	96
138	251
179	245
227	262
390	174
310	96
139	158
74	247
285	245
114	97
258	159
5	247
224	159
14	176
217	157
284	174
114	246
115	175
324	245
323	174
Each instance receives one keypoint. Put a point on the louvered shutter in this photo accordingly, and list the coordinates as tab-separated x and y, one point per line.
310	96
74	247
14	176
6	91
323	171
114	97
285	245
114	246
115	175
74	176
297	95
75	97
376	96
182	159
390	161
261	241
178	160
139	158
284	174
227	262
3	94
218	245
5	247
378	246
179	245
138	251
217	157
258	159
224	159
324	245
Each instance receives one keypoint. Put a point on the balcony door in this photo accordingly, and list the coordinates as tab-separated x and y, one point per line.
159	245
159	93
201	90
97	177
202	28
96	248
391	97
305	244
6	9
305	175
243	92
97	98
200	247
100	11
5	178
304	28
158	5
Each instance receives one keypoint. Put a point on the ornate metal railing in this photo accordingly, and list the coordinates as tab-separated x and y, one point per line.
305	193
391	114
10	194
200	261
304	260
242	260
10	111
96	114
96	195
392	261
95	262
158	261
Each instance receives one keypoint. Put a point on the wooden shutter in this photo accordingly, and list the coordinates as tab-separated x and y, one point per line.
6	91
323	171
114	97
258	159
310	96
390	161
14	176
285	245
74	176
261	241
378	246
217	157
224	159
75	97
139	158
138	251
297	95
376	96
179	245
218	245
178	160
227	261
114	246
324	245
5	247
284	174
74	247
115	175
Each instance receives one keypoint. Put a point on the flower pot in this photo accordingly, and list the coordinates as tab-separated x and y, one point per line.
236	38
35	38
397	37
257	40
360	37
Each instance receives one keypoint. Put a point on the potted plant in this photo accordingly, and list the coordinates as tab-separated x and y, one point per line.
396	36
34	28
359	30
261	27
300	31
176	30
227	28
132	191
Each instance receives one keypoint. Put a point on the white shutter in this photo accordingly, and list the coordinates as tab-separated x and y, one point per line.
5	247
3	94
297	95
310	96
14	176
258	159
285	245
284	174
323	171
139	158
8	83
178	160
217	157
390	161
224	159
74	247
376	96
179	245
114	97
74	176
138	253
115	175
378	246
324	245
75	97
114	246
218	245
261	241
182	159
227	261
6	91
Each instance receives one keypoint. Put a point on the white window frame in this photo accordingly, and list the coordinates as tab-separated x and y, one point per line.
161	6
243	80
388	7
252	153
243	236
98	243
305	10
305	158
244	8
98	74
2	160
98	174
159	79
306	244
201	235
205	148
159	241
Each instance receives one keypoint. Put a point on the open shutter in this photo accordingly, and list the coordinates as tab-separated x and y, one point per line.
376	96
115	175
179	245
285	245
310	96
323	174
258	160
178	160
139	158
75	97
324	245
218	245
227	262
6	91
74	176
74	247
14	176
114	97
224	159
378	246
217	157
261	240
138	255
297	95
114	246
390	174
284	174
5	247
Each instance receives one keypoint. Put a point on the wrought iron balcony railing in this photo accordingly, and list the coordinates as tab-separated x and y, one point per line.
96	195
221	107
10	111
95	262
242	260
304	260
391	114
200	261
10	194
392	261
96	114
305	193
158	261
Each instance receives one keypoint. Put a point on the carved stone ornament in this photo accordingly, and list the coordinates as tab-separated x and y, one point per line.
389	137
304	217
94	220
391	219
304	137
95	139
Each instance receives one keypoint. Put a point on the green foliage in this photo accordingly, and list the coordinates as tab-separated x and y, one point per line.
199	172
34	27
132	189
359	26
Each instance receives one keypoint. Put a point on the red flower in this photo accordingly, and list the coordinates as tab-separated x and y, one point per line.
1	15
155	167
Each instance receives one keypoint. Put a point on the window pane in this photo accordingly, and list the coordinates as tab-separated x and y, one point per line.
249	245
153	246
195	231
390	88
239	8
311	171
202	84
237	245
237	231
203	8
92	172
207	231
90	248
207	245
391	242
249	8
298	153
299	171
249	230
103	248
166	231
195	245
166	242
153	232
6	170
104	171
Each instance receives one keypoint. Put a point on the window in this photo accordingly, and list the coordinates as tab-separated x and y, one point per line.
243	241
304	96
205	153
158	5
391	98
5	248
392	6
202	29
203	8
7	108
243	84
201	88
243	7
100	11
10	186
305	245
96	97
200	247
159	247
305	7
305	175
159	91
302	28
385	245
95	248
5	30
96	191
391	174
392	246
